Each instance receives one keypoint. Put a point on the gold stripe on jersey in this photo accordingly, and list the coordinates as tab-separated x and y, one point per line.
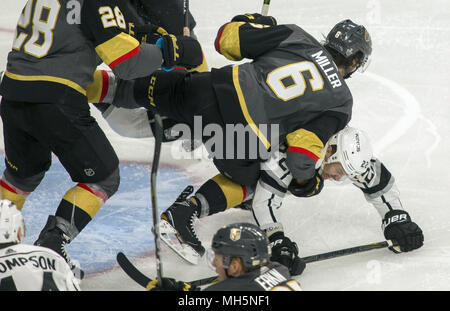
116	48
244	109
234	193
228	41
306	140
84	199
94	91
66	82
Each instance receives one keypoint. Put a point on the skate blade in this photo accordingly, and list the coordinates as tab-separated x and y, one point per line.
168	235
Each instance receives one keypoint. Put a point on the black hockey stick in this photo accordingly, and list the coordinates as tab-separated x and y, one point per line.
265	8
157	153
186	30
143	280
349	251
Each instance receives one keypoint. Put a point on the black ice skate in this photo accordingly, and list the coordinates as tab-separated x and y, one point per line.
176	228
54	238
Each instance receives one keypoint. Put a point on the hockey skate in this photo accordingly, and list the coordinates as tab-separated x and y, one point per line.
54	238
176	228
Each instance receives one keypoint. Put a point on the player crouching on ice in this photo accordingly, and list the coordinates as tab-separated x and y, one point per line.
28	267
240	254
348	154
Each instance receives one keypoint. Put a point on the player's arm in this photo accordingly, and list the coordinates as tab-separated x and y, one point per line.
305	149
247	36
379	188
104	24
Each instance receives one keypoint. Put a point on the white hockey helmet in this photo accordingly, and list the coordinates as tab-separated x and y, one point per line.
353	150
12	226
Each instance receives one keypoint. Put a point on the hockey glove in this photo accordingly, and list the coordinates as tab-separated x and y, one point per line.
149	33
398	227
181	51
169	284
285	252
310	188
255	18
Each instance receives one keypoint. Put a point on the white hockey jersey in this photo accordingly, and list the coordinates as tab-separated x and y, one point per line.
34	268
377	185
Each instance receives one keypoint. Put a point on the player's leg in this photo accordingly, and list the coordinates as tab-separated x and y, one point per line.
218	194
85	152
26	159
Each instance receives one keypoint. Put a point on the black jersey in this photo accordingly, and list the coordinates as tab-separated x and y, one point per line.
291	92
59	44
268	278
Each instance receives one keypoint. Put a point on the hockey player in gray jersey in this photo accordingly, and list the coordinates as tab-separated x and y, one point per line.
57	48
240	255
28	267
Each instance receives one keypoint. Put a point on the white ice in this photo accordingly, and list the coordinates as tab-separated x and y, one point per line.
402	101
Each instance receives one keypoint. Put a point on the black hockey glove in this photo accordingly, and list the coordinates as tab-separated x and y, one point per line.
180	50
398	227
255	18
310	188
169	284
149	33
285	252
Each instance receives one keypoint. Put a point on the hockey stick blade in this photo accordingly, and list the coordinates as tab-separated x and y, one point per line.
144	280
132	271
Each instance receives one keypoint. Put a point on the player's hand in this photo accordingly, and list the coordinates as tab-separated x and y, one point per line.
398	227
285	252
309	188
255	18
170	284
149	33
180	51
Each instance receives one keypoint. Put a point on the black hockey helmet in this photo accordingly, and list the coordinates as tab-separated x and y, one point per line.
243	240
349	39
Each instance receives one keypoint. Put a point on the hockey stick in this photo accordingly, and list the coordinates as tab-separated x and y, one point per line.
186	30
143	280
265	8
157	152
349	251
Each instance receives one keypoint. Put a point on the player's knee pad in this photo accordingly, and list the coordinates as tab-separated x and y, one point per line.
110	184
26	184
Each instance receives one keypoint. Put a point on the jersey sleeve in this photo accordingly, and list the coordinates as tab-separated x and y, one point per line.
270	192
305	144
379	188
104	24
238	40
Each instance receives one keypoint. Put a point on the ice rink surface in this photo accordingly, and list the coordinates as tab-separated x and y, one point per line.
402	101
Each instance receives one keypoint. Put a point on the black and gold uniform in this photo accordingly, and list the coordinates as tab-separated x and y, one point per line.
56	50
291	92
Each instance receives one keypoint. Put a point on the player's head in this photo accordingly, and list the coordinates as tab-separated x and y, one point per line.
12	227
238	248
350	46
348	153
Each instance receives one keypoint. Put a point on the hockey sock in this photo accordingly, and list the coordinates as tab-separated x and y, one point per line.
80	204
219	194
13	194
